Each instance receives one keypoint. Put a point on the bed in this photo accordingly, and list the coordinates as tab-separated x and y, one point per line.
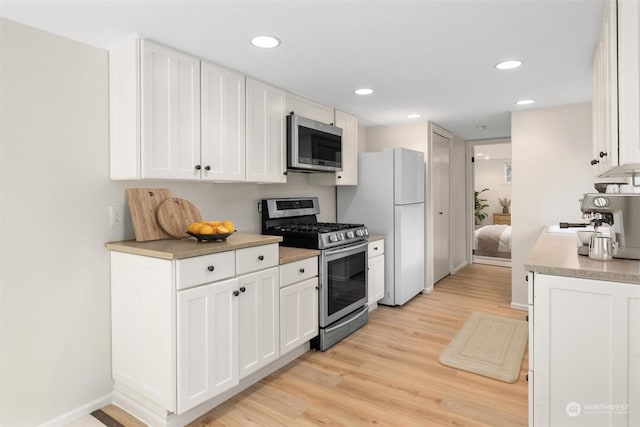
492	241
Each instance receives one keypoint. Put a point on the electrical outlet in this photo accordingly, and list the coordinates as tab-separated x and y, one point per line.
115	215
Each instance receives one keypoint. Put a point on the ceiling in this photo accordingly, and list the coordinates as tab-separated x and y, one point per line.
492	151
433	58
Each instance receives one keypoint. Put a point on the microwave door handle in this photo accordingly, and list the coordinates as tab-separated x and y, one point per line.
348	249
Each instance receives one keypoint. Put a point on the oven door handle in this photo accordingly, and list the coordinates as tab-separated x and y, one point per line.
356	314
347	249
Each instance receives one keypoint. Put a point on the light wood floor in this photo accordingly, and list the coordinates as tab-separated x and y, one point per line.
387	373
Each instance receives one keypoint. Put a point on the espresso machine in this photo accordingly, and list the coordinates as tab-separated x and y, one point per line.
622	213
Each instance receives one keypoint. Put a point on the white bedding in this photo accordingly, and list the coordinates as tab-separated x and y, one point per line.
493	237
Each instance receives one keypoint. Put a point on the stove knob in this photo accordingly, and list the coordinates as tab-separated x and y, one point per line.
350	235
340	236
333	238
366	232
359	233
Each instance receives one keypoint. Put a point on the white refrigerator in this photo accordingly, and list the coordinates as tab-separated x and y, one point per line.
389	200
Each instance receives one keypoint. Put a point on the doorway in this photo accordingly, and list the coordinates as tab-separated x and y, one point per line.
490	176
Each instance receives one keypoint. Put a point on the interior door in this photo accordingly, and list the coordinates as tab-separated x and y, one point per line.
441	213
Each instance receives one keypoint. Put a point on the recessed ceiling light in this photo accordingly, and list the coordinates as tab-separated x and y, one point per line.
525	102
413	116
265	42
363	91
481	127
509	65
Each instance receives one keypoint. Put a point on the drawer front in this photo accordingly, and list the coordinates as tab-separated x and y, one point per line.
298	271
376	248
198	270
256	258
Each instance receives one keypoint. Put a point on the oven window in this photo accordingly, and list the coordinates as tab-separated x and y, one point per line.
346	281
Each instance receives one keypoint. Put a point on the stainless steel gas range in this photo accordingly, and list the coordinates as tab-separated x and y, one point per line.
342	305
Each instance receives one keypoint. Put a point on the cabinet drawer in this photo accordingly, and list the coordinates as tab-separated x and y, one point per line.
376	248
256	258
298	271
204	269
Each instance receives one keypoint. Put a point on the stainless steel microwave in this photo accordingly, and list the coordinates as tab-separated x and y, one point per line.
313	145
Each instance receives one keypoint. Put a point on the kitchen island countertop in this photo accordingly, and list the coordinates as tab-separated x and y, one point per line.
557	254
189	247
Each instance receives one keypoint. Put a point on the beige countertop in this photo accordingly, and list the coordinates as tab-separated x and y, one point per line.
189	247
288	254
374	237
557	254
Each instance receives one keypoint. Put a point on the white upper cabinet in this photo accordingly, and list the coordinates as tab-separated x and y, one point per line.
170	112
309	109
349	173
266	154
155	111
223	124
616	91
349	125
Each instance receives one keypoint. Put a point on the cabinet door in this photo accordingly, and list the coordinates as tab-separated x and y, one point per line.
259	328
309	109
223	124
376	279
586	352
170	107
629	81
298	314
349	125
605	101
207	342
266	153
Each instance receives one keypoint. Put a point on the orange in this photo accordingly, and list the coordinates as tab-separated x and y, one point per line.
207	229
229	226
221	229
214	223
195	227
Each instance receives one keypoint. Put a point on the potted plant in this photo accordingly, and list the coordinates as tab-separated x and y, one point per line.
505	203
480	205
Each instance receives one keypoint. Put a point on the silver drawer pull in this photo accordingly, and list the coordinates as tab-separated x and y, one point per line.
211	268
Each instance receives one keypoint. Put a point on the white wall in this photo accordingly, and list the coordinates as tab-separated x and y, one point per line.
551	150
55	346
490	174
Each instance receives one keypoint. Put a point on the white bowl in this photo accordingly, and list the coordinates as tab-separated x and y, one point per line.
584	236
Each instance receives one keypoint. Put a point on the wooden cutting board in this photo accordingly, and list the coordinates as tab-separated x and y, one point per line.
143	207
175	215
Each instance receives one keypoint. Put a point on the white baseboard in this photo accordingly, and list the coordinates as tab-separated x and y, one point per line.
519	306
460	267
500	262
79	412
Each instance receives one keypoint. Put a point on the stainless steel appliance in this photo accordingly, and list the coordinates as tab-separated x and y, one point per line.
342	269
622	213
313	145
389	198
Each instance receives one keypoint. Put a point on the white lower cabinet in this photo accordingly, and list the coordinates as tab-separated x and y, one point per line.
375	285
226	331
259	323
298	303
207	342
585	360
